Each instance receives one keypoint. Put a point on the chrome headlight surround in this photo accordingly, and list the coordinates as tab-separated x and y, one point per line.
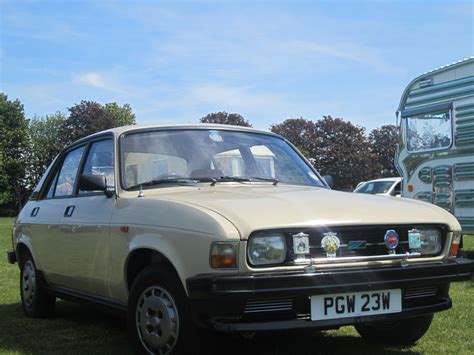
267	249
429	240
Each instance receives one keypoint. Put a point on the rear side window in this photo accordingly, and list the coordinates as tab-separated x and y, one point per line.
68	173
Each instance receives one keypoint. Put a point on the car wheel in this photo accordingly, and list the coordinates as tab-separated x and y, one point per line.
158	314
401	332
35	300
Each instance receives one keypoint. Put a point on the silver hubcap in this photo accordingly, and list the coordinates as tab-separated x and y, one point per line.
29	282
157	320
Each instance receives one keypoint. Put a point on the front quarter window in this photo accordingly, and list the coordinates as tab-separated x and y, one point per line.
429	131
100	161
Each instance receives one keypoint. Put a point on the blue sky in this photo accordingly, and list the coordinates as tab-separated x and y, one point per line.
175	61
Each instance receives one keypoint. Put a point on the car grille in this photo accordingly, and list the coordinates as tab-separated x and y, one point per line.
355	242
420	292
268	305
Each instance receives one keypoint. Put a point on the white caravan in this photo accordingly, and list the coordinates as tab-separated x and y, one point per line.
435	154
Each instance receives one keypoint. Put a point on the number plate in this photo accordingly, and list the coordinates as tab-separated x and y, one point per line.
355	304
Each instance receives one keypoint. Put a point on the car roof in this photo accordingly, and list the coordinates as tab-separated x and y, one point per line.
139	127
394	179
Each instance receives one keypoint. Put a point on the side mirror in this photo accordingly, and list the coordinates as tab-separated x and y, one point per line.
94	183
329	180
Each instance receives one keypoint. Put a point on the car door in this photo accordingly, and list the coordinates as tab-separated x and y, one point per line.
85	226
46	213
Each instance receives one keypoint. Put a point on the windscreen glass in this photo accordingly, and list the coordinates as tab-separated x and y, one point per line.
375	187
211	154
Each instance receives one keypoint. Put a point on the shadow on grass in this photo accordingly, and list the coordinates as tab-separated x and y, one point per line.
80	329
301	343
74	329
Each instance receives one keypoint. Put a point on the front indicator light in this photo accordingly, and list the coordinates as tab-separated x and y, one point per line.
455	244
223	255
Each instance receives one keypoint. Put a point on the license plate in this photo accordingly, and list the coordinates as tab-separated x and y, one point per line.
355	304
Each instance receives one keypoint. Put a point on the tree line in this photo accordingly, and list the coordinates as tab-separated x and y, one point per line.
27	146
334	146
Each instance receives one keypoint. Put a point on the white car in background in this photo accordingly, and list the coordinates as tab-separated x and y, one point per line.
387	187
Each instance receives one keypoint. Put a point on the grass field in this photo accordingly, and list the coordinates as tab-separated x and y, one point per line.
81	329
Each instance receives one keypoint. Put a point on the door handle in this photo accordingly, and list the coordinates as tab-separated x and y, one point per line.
34	212
69	211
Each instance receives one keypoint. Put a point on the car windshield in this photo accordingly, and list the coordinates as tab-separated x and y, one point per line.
375	187
185	156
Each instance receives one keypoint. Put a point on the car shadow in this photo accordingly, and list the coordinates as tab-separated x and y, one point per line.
299	342
80	328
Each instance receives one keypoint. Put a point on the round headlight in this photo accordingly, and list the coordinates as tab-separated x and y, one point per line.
267	249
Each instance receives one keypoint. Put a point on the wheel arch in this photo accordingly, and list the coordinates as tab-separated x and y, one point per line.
142	257
22	249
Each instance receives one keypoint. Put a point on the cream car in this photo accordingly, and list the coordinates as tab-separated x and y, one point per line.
230	229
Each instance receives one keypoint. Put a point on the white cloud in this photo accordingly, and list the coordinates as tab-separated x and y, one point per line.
227	96
100	81
348	52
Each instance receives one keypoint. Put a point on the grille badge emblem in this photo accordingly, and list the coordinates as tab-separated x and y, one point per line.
301	243
391	240
330	243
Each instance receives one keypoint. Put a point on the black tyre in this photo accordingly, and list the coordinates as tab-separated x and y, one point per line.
35	300
158	314
400	332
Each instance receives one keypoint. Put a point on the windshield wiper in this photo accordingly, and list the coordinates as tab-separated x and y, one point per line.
154	182
240	179
228	179
275	181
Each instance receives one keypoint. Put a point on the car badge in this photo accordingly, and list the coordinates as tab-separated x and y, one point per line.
391	240
414	239
330	243
301	243
357	244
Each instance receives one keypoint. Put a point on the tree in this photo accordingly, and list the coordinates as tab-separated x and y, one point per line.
44	145
343	151
300	132
13	141
89	117
225	118
384	142
122	115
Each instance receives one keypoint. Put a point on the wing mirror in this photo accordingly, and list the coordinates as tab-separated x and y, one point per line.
329	180
94	183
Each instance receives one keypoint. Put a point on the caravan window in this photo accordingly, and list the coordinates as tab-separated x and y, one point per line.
429	131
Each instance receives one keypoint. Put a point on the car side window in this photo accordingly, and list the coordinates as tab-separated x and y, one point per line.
100	161
68	173
396	190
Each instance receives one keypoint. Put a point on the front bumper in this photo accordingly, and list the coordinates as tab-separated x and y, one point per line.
221	301
11	256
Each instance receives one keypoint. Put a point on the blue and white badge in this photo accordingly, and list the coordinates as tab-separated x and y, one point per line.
391	240
215	136
414	239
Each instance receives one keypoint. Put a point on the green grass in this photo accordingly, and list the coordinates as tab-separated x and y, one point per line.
81	329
